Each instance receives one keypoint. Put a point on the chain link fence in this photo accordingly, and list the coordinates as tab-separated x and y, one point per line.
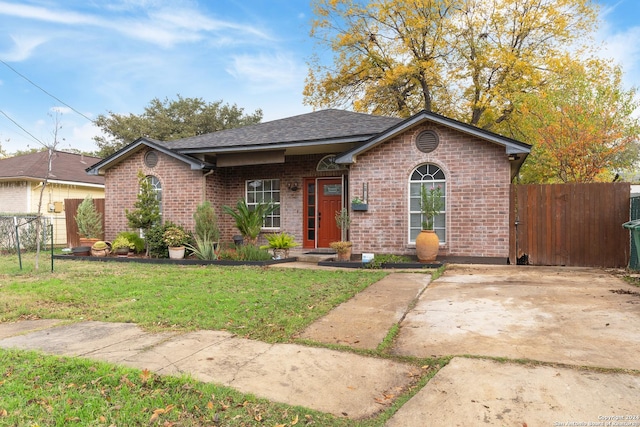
27	228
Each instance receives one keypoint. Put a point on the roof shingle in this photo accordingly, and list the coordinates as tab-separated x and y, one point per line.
64	167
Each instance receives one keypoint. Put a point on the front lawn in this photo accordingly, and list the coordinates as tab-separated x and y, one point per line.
267	304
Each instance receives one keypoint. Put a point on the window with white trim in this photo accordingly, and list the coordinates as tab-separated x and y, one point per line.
430	176
156	185
265	191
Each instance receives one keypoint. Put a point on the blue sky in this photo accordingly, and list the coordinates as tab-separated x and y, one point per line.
99	56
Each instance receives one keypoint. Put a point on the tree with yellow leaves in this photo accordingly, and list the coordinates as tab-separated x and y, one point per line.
583	128
467	59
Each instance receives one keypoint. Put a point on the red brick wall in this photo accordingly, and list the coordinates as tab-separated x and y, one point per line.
477	174
296	168
182	191
477	208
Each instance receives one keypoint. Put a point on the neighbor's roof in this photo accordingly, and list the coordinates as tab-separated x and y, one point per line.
68	167
331	126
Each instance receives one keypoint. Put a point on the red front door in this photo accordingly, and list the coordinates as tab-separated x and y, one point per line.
329	201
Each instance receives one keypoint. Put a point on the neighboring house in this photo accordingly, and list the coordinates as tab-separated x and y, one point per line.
313	164
21	179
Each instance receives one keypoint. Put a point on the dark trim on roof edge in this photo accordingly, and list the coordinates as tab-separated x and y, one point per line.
512	146
276	145
115	158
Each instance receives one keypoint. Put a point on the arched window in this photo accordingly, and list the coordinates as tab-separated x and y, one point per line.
430	176
328	163
157	187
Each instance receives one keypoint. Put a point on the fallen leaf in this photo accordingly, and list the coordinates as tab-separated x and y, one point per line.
209	405
145	375
294	421
3	413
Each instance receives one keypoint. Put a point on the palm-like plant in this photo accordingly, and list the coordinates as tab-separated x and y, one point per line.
249	220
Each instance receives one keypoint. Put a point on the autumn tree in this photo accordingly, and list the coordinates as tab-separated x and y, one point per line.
582	128
168	120
467	59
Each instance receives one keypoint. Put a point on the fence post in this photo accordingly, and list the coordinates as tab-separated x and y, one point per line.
51	228
15	223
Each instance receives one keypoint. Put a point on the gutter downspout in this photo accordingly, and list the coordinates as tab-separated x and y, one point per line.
204	185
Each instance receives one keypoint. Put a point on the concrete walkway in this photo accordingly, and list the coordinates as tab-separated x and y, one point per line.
485	310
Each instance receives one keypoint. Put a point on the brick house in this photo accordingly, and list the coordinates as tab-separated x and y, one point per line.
314	164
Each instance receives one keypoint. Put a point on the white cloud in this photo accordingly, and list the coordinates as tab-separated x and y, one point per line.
267	71
22	48
620	45
163	26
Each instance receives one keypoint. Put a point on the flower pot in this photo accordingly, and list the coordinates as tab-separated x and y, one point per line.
361	207
427	246
81	251
280	253
176	252
122	252
345	254
85	241
100	252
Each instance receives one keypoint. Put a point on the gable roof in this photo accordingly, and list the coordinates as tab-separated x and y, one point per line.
65	167
512	146
516	151
319	127
139	144
330	131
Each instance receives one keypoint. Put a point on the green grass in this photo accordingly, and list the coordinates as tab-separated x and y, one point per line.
267	304
38	390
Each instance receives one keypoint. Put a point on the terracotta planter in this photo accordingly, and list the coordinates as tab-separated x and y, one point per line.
427	246
100	252
84	241
176	252
344	255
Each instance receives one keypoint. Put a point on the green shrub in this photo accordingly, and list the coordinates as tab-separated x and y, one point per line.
245	253
133	237
205	248
155	239
206	222
378	260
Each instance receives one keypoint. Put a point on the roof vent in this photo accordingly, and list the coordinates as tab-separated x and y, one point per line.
151	159
427	141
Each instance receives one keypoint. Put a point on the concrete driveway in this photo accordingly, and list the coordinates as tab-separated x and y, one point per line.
584	324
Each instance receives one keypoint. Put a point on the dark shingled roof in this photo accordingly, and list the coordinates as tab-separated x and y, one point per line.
64	167
316	126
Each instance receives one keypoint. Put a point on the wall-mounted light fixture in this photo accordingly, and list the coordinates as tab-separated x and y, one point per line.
513	157
293	186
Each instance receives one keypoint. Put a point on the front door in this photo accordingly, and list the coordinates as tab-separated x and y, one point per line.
329	201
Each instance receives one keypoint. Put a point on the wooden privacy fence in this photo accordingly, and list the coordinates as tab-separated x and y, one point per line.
570	224
71	207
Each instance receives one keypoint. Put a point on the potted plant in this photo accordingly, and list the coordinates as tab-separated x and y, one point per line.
121	246
427	242
357	204
89	222
343	247
249	221
175	239
100	248
280	243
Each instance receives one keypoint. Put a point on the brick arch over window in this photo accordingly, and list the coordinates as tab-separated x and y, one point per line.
429	175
